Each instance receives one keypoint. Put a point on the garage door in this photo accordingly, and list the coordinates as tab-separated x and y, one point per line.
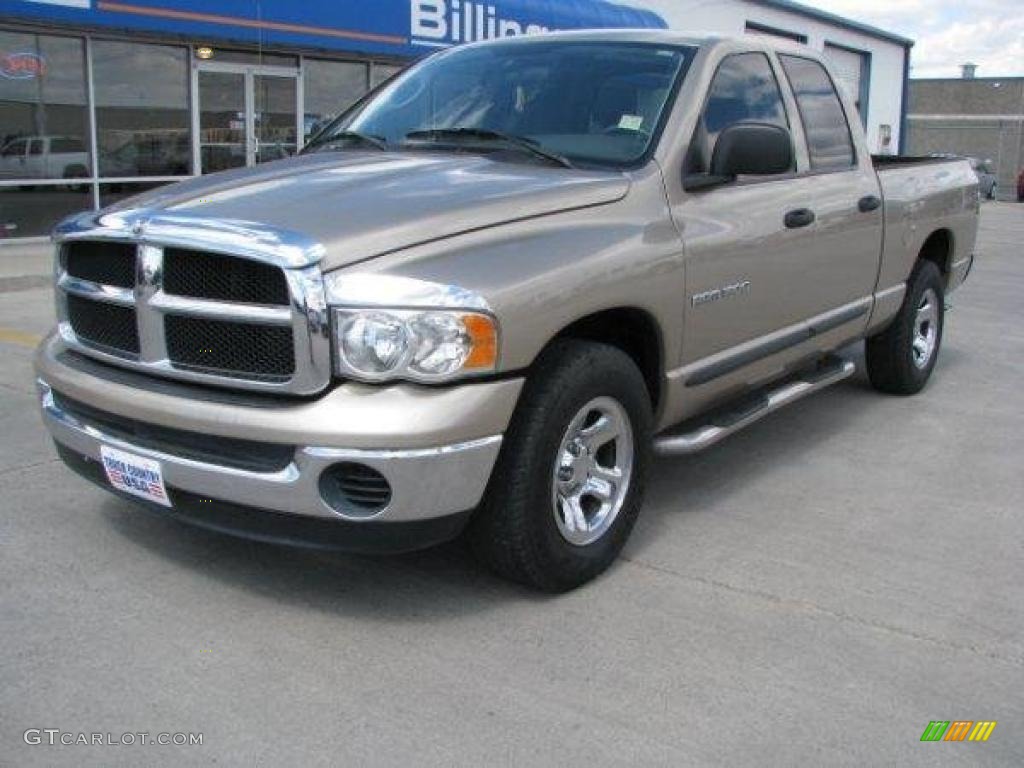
851	69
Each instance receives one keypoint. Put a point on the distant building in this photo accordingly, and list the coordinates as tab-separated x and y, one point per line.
980	117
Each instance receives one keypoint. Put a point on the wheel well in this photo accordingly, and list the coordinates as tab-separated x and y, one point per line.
634	331
938	249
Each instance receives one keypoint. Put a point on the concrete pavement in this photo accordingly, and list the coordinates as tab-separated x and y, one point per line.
25	265
814	590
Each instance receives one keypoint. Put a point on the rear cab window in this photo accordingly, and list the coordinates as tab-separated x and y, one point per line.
744	89
826	127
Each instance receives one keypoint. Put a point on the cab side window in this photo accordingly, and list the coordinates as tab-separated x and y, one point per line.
828	133
744	89
15	149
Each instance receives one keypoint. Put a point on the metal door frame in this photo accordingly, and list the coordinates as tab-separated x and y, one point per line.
249	73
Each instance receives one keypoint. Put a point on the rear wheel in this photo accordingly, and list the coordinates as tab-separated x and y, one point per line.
569	482
77	172
901	358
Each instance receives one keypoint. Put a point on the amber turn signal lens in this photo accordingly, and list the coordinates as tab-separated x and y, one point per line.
483	332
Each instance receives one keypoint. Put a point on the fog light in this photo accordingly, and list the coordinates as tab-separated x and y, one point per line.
355	490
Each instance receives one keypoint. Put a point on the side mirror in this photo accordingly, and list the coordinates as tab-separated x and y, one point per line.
752	149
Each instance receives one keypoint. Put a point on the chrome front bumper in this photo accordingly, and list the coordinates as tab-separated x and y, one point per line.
426	483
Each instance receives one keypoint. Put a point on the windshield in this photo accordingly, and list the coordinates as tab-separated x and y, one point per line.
593	103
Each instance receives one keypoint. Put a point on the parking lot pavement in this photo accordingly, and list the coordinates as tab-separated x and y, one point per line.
814	590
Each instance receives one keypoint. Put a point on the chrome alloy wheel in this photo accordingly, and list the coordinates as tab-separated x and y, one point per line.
592	471
926	329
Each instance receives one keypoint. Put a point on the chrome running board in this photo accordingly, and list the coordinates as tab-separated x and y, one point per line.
831	371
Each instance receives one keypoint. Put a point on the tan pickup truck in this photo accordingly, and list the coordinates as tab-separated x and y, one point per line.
481	298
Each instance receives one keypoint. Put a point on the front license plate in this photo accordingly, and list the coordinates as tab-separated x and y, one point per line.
136	475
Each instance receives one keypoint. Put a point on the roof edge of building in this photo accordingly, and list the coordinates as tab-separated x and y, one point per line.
954	79
835	19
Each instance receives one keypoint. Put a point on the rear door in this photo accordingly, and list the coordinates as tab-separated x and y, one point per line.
841	186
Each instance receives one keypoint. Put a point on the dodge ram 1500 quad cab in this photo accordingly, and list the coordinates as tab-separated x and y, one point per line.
480	299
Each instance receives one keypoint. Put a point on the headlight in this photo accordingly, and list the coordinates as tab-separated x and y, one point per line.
429	345
388	327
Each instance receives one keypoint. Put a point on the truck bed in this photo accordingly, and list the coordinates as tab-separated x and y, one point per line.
889	162
922	195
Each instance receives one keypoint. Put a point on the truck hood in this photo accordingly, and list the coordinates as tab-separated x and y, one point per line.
361	204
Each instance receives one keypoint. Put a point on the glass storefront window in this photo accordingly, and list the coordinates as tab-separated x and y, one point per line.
142	109
382	72
43	115
330	87
31	211
258	58
274	117
143	120
113	193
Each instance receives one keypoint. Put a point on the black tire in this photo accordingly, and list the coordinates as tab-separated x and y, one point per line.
890	354
77	172
514	532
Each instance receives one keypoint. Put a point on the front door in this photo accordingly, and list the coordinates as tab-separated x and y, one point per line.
247	115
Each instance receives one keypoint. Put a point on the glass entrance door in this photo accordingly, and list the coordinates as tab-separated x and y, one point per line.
223	133
247	115
274	116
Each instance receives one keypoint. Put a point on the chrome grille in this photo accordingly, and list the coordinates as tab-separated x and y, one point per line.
231	349
103	263
223	278
255	319
104	325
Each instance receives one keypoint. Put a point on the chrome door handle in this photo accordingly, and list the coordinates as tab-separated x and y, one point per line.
868	204
801	217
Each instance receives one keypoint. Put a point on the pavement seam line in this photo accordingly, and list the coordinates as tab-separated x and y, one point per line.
839	615
36	465
20	338
7	386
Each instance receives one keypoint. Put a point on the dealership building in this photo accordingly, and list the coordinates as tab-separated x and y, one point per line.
100	99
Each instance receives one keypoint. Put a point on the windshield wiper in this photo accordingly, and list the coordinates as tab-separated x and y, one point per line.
441	135
351	137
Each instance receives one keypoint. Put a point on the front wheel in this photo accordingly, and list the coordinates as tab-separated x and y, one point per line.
569	481
901	358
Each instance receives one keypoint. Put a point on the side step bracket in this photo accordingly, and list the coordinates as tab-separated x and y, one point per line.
749	410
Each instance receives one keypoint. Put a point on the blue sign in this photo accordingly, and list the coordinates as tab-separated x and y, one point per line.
405	28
